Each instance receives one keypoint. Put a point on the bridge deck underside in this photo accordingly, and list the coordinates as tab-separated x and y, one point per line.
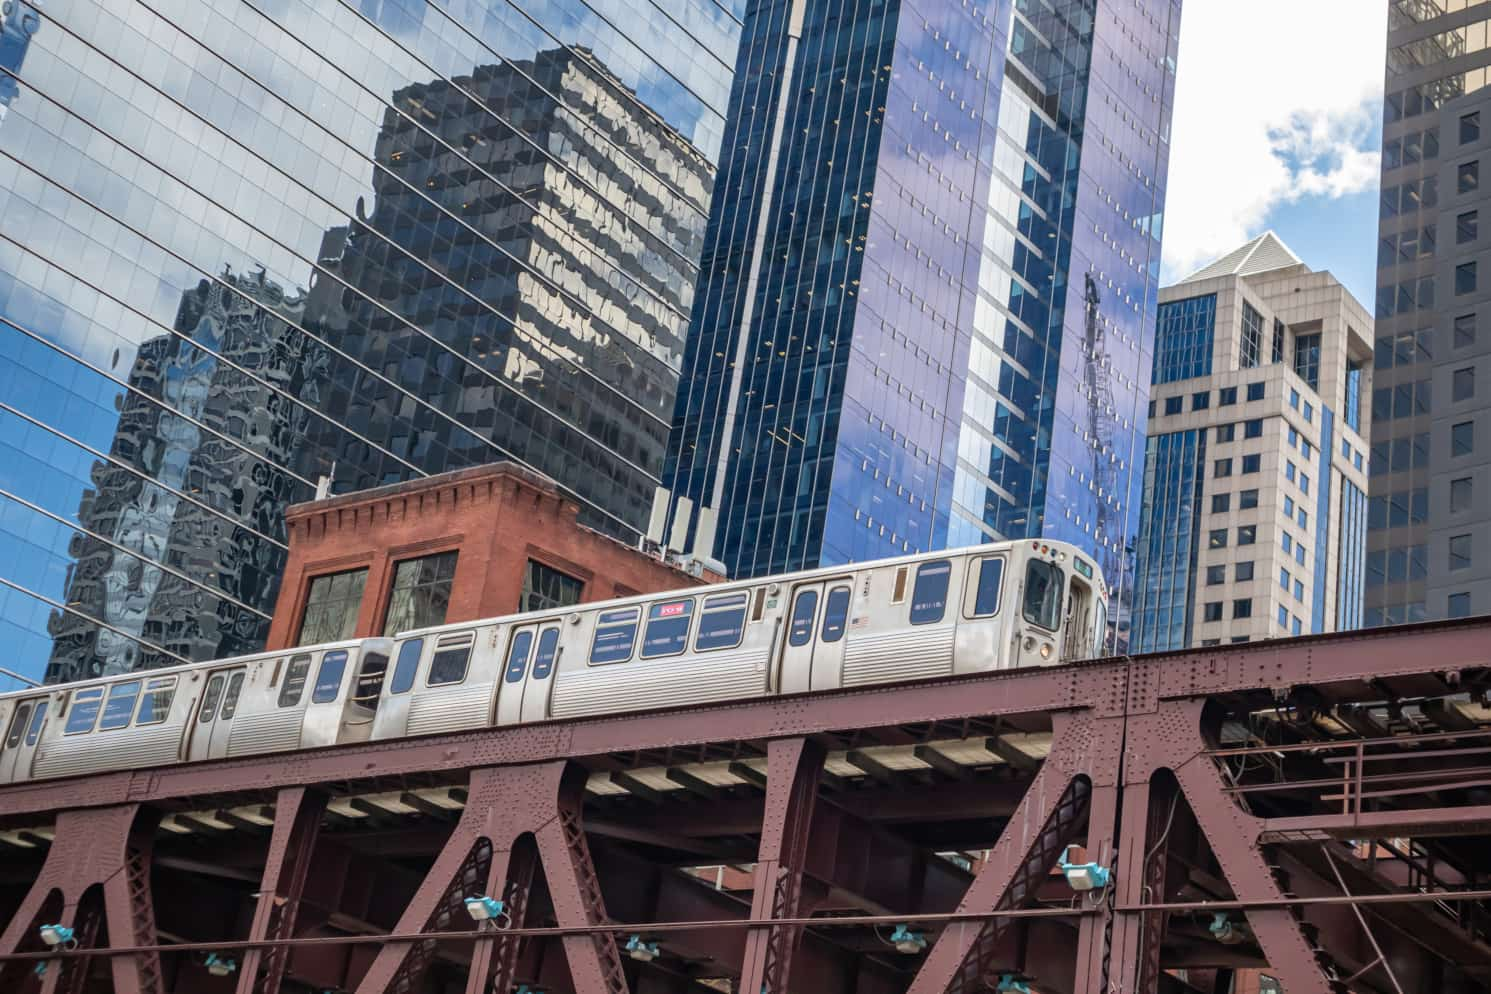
1315	811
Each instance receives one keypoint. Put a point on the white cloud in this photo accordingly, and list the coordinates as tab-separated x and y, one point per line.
1276	100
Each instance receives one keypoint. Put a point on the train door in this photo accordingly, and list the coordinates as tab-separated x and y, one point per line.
213	722
531	653
21	738
813	654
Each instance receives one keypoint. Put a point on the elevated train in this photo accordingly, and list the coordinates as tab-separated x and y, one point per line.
1000	606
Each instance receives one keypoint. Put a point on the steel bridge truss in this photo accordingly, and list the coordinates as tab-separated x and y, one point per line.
1314	811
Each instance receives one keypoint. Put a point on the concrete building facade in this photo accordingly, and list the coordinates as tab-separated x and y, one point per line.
1254	516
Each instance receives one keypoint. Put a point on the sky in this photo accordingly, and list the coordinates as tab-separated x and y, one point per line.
1278	128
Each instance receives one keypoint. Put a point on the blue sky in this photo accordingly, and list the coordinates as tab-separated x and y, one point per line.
1278	130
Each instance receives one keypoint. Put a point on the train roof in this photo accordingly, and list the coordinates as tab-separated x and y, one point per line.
729	586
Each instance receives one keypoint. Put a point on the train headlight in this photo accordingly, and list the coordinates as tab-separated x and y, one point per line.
1030	643
1045	650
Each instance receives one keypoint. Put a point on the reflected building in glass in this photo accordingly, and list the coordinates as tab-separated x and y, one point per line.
928	291
249	249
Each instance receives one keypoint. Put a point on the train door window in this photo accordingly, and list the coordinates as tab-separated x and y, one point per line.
18	725
155	703
38	718
835	614
615	633
85	707
517	655
548	650
1100	632
986	587
295	677
407	667
230	696
667	632
929	594
721	622
210	697
804	610
451	657
120	707
370	678
329	677
1042	594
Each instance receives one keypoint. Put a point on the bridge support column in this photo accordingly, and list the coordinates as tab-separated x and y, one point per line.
104	847
297	823
792	770
503	805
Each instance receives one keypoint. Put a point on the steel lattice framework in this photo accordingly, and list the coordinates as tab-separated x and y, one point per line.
1315	809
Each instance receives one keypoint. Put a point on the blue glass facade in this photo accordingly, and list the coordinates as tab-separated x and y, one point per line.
927	297
1184	335
1352	562
249	245
1169	542
1323	535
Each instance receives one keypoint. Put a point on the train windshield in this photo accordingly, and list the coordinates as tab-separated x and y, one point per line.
1043	583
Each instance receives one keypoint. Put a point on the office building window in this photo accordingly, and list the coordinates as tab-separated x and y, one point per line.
1462	438
1289	471
1243	572
1226	396
1468	177
1288	507
1217	539
1294	626
1283	579
1221	468
1294	398
1201	401
1464	330
1354	395
1255	391
1252	336
1251	464
1277	354
1459	552
1307	359
1183	338
1459	605
1467	227
1213	611
1299	553
1220	503
1465	278
1226	433
1299	590
1462	383
1460	494
1216	575
545	587
1242	607
1173	404
420	594
1309	413
1253	428
331	607
1247	534
1283	617
1304	483
1470	125
1303	518
1247	499
1286	541
1293	437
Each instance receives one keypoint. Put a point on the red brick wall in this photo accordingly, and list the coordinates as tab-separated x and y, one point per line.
497	516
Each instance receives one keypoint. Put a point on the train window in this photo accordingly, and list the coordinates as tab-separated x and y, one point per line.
230	696
517	655
548	648
1042	594
899	594
804	610
615	632
986	591
295	676
84	712
929	594
18	725
721	622
449	664
210	697
155	704
407	666
667	632
370	678
38	719
329	677
835	614
120	706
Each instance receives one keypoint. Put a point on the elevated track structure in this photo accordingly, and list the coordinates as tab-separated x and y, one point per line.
1316	809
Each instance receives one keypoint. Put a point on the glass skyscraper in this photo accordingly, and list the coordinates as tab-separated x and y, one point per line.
927	295
1429	519
246	246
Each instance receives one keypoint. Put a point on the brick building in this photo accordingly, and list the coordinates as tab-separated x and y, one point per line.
474	543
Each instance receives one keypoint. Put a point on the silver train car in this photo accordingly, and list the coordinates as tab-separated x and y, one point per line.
1000	606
